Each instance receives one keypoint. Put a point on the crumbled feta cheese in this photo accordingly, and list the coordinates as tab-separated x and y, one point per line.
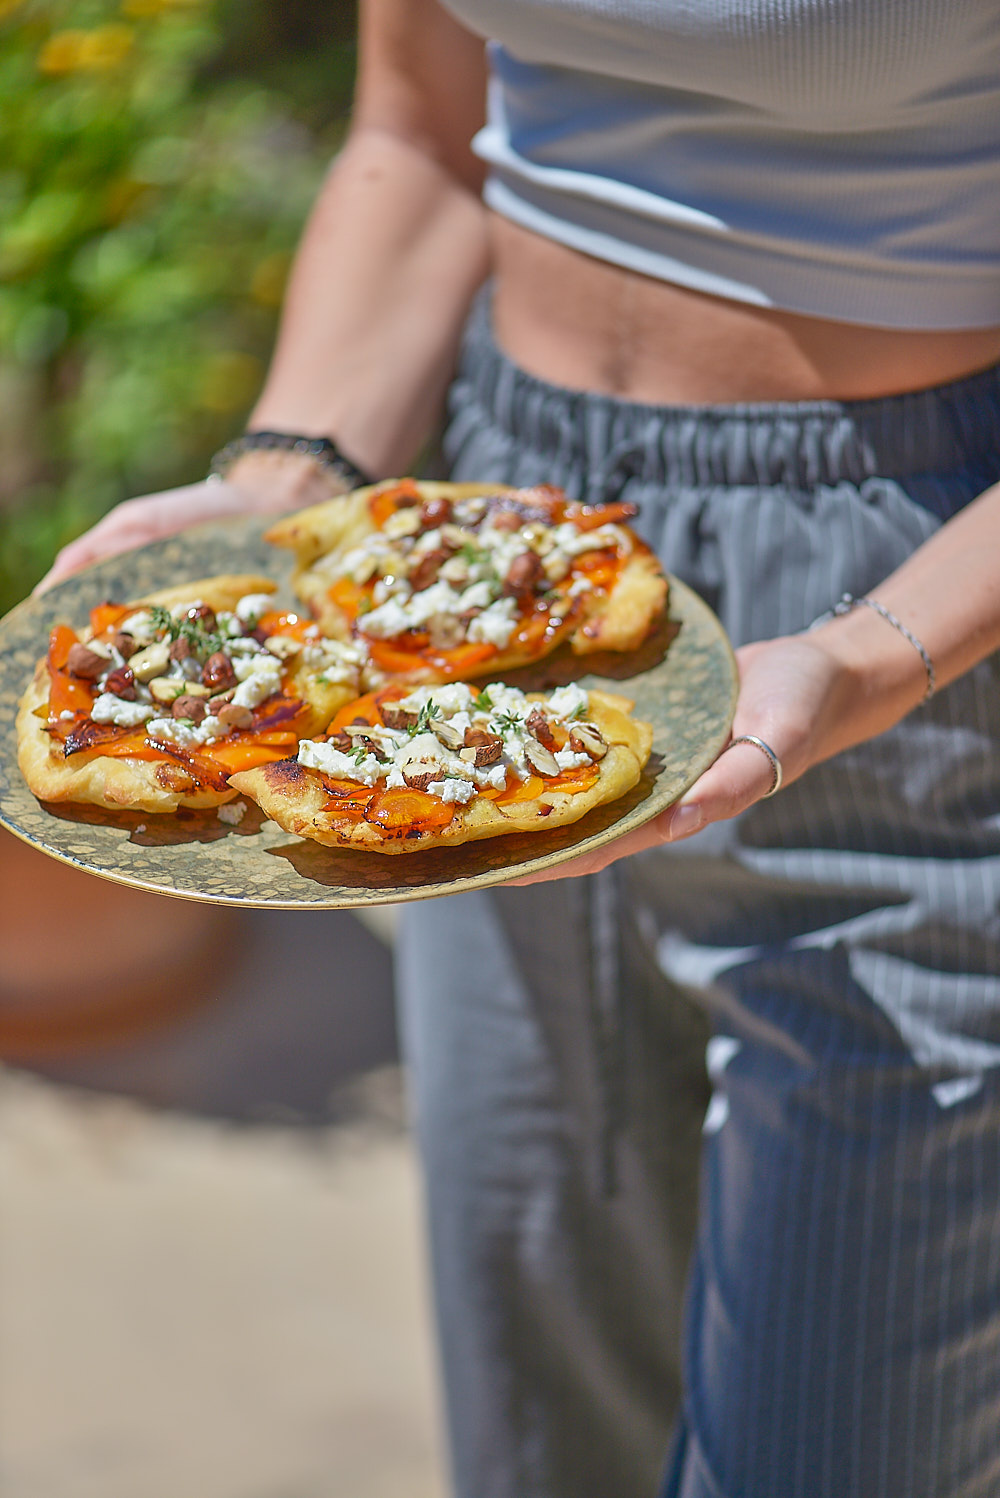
250	608
575	542
66	714
493	776
110	709
386	621
505	699
331	761
494	625
428	541
232	813
175	731
450	697
566	701
335	661
244	648
259	677
469	511
140	626
568	759
479	596
459	791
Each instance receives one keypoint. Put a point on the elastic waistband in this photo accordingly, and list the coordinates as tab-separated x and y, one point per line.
794	444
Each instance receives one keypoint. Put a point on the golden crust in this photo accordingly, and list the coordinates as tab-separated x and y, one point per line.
294	797
156	786
620	620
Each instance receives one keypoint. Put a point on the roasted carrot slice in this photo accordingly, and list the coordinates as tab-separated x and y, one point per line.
385	503
400	811
109	615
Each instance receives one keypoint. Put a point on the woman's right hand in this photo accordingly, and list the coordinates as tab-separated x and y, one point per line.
259	483
138	521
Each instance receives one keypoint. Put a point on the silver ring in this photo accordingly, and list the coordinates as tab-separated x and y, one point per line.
751	738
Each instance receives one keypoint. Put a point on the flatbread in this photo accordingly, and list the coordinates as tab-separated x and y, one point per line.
489	577
118	767
331	809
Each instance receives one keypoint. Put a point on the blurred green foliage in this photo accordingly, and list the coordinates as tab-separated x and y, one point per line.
157	158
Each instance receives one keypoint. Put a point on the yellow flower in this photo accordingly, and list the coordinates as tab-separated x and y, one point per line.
155	7
61	53
105	47
91	51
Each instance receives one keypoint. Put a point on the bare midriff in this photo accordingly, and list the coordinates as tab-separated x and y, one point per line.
589	325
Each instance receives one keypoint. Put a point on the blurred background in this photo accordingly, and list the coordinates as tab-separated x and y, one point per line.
211	1273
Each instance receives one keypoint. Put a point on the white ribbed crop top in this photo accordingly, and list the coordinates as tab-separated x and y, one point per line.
839	158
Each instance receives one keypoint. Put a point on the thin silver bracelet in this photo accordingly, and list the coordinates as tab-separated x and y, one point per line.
849	602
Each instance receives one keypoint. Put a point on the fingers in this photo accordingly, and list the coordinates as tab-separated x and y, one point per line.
81	553
740	776
139	521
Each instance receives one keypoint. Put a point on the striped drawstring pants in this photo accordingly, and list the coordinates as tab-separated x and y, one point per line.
794	1016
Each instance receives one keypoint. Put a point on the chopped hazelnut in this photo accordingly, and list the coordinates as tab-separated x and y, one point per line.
426	571
488	746
121	683
523	575
539	758
539	726
217	673
85	663
584	738
394	716
506	520
234	715
167	689
435	512
149	662
193	708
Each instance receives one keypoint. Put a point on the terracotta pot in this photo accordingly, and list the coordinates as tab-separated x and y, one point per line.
84	962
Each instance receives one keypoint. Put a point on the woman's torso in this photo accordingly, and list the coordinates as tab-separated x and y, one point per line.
842	148
589	325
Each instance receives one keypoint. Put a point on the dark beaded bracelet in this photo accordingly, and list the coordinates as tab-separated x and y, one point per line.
320	449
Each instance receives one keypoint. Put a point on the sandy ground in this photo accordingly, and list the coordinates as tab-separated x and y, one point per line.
222	1295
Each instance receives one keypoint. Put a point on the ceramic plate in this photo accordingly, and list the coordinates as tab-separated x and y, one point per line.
683	682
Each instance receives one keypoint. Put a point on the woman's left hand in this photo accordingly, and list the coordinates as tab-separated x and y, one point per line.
797	696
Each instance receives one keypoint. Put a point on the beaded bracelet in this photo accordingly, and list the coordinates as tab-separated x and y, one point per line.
320	450
849	602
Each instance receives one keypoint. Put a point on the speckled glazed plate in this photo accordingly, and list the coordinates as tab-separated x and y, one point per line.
683	682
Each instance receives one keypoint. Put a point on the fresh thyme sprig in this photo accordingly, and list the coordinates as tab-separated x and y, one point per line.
203	642
509	721
429	711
